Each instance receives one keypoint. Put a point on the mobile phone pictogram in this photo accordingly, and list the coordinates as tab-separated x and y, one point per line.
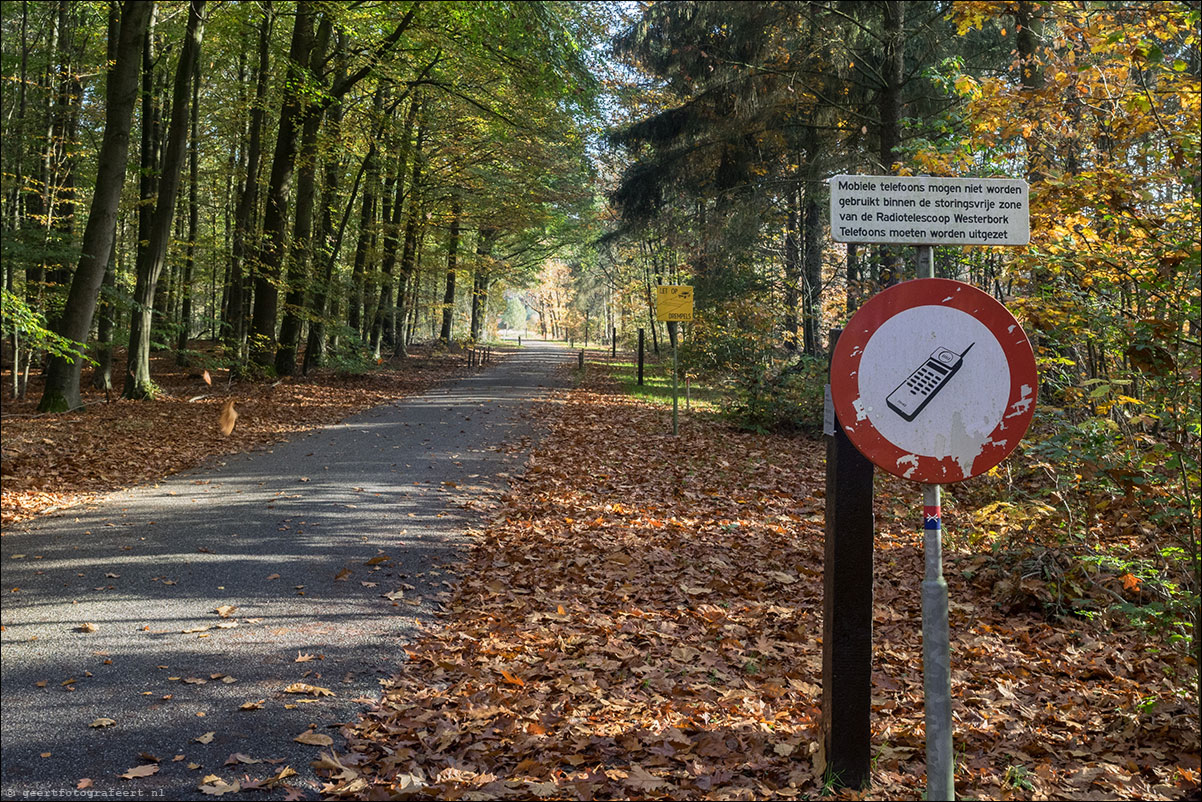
912	395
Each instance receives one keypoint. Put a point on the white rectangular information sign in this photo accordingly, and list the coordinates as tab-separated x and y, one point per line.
924	210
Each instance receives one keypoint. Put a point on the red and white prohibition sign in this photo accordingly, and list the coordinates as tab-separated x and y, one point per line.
934	381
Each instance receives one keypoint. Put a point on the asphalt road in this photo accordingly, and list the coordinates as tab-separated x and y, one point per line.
328	547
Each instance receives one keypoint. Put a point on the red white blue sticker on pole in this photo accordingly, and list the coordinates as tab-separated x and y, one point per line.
934	381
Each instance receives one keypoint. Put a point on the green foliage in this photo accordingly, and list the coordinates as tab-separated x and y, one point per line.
792	399
31	328
351	357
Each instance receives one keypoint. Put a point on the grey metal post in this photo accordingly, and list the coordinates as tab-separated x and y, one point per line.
926	262
672	325
936	648
936	654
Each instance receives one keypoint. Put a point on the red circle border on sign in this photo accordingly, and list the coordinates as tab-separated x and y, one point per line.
845	367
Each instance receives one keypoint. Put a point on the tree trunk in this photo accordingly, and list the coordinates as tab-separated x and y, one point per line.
300	254
102	376
328	240
812	260
62	378
448	297
482	278
248	201
185	309
138	384
409	249
792	267
385	327
889	110
273	245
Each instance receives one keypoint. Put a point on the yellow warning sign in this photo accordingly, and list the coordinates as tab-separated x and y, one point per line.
674	303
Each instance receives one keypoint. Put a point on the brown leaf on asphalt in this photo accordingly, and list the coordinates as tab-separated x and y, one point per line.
206	738
226	610
141	771
215	786
314	738
314	690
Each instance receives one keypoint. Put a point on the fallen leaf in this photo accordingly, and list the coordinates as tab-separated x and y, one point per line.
252	705
85	782
102	722
88	626
206	738
225	610
215	786
314	738
229	416
141	771
512	680
302	658
238	757
315	690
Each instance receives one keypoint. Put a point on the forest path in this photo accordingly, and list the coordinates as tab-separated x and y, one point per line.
288	536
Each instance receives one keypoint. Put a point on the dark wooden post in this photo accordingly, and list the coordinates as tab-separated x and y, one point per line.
582	359
847	610
613	343
641	334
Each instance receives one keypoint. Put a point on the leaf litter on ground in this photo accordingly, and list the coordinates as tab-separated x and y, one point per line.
51	462
643	619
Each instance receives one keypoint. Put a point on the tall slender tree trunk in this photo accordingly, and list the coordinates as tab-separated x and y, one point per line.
137	379
448	297
62	379
889	109
482	278
386	313
185	309
273	245
409	249
248	200
300	254
792	266
813	270
102	376
364	244
328	240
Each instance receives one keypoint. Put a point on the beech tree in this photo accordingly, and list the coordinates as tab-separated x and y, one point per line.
63	374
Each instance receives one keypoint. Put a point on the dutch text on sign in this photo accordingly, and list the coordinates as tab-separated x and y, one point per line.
674	303
923	210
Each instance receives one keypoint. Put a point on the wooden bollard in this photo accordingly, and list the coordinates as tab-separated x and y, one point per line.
582	359
640	357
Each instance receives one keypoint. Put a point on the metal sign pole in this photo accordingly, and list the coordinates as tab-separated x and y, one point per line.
936	648
672	327
936	654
